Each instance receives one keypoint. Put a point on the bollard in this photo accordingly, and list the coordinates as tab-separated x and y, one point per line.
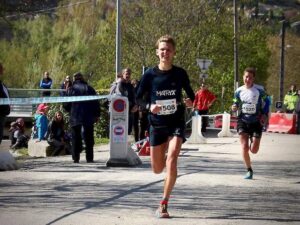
225	132
121	153
196	135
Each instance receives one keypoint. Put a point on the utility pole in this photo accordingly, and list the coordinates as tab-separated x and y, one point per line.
235	46
282	56
118	39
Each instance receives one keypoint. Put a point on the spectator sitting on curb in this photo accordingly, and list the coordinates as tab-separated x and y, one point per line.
17	134
56	134
41	121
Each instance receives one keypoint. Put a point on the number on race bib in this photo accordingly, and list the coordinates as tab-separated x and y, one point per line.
249	108
167	106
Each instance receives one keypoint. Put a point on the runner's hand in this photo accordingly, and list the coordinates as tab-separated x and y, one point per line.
134	109
264	120
154	108
234	108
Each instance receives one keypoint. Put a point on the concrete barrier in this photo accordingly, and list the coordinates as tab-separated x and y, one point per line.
121	153
225	132
219	118
7	161
196	135
39	149
282	123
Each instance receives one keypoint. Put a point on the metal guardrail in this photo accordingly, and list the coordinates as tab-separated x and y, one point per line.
23	111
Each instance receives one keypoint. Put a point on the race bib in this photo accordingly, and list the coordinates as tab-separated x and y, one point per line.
249	108
167	106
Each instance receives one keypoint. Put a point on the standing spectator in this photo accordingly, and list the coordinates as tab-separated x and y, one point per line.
135	117
298	113
143	116
203	101
114	85
56	134
140	119
65	85
12	129
17	134
83	115
4	109
250	101
161	87
41	121
143	122
126	89
290	99
46	83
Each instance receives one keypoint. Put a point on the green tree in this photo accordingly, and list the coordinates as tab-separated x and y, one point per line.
202	30
291	65
82	38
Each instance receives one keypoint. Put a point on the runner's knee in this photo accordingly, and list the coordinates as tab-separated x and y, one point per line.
254	150
157	169
171	163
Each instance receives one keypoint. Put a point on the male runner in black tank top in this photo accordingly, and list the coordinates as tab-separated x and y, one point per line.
160	91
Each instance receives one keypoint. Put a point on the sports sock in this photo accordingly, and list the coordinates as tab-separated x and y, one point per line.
164	201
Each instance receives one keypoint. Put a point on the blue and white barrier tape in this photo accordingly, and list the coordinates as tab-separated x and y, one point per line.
39	100
36	90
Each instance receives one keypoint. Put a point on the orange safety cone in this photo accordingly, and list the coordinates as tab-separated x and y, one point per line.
145	150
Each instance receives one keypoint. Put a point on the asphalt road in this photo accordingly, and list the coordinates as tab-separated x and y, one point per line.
210	188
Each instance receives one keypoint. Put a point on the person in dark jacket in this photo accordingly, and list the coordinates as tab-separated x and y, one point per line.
4	109
56	134
126	89
65	85
136	114
46	83
83	115
41	122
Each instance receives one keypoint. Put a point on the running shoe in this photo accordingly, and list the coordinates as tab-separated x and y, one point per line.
162	211
249	175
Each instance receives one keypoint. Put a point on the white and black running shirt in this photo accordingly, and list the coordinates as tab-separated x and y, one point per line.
250	102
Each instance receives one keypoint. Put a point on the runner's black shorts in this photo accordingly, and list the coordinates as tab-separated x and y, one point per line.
160	135
253	129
